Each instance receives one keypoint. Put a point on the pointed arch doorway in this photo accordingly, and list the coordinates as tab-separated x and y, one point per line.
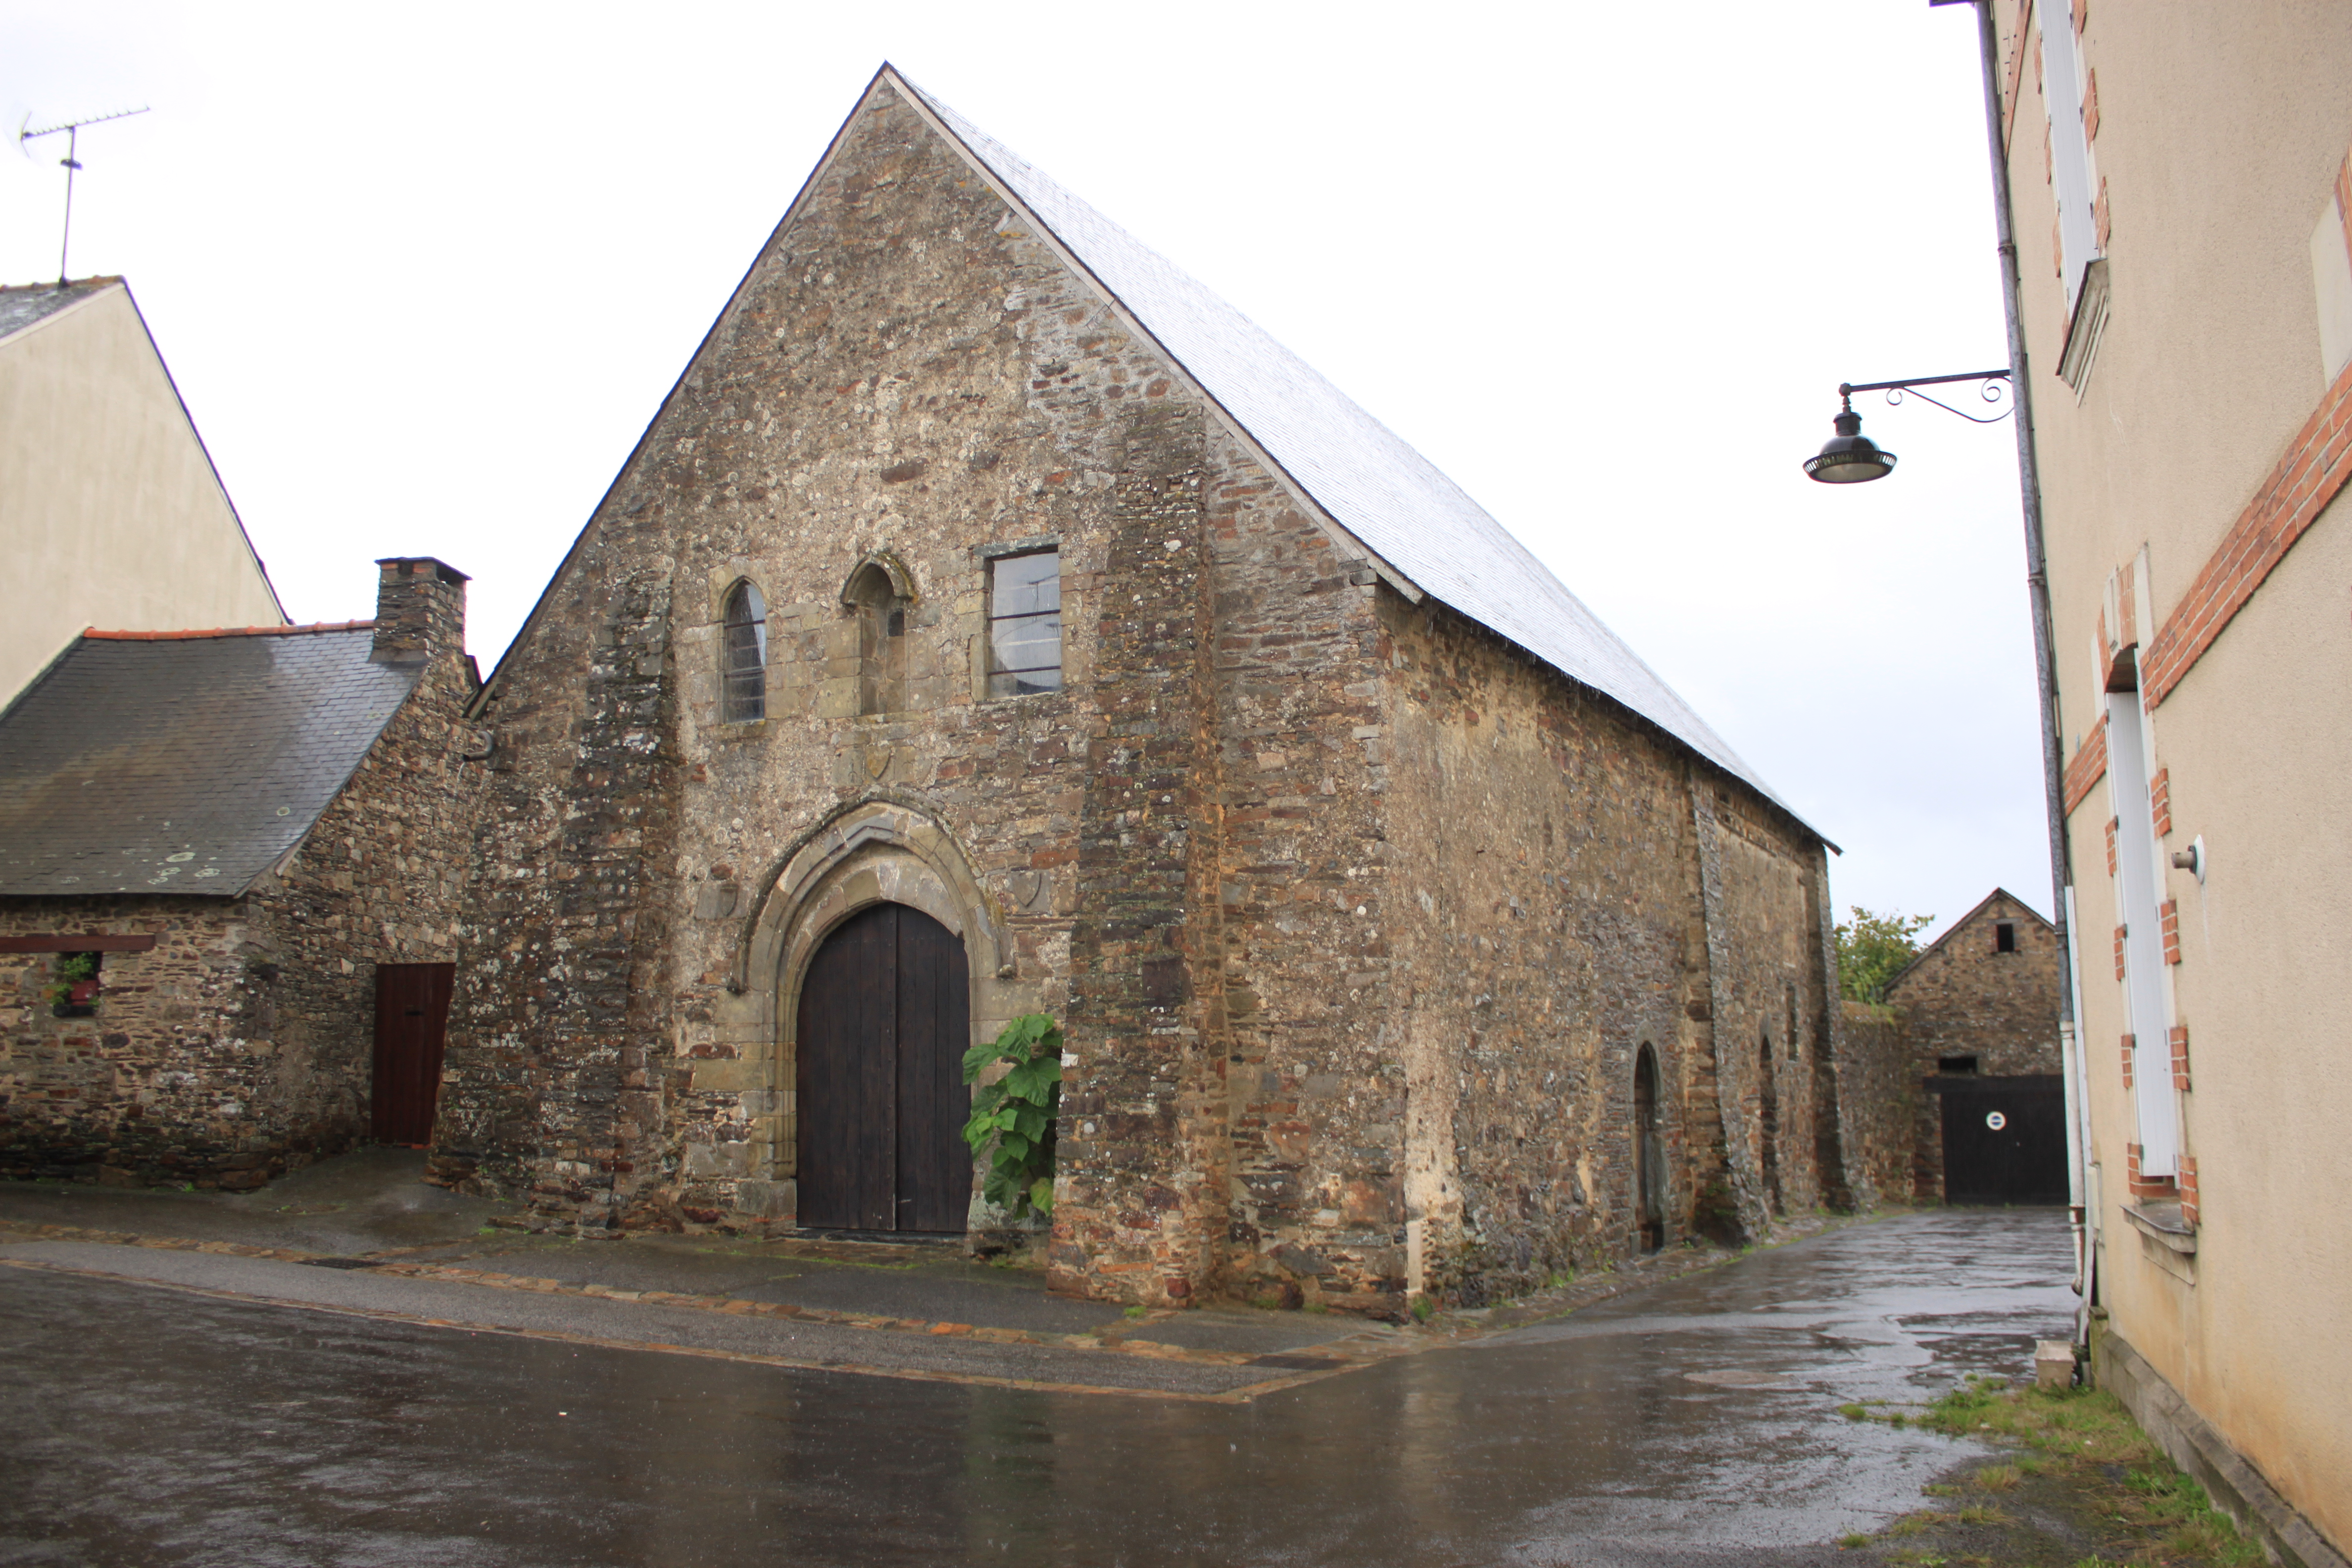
884	1022
1649	1153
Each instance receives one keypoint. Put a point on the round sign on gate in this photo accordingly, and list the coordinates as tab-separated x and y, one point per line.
1995	1120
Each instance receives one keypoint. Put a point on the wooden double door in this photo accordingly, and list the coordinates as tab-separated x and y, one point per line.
884	1022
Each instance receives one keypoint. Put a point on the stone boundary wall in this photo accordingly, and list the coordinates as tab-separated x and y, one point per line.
1878	1087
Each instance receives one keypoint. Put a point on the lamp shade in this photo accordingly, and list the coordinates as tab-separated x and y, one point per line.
1849	458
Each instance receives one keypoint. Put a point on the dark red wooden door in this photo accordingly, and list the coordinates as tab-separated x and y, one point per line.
883	1025
411	1017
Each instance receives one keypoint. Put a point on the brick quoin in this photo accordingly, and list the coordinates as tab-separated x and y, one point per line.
2180	1039
2089	766
2159	804
2189	1188
2111	847
2168	913
2127	1061
2298	490
2119	951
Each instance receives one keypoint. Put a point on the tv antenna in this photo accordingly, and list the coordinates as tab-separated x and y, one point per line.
72	127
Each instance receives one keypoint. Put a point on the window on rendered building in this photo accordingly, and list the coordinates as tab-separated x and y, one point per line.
2138	889
2072	174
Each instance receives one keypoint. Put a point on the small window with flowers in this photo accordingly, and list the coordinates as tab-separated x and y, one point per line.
74	984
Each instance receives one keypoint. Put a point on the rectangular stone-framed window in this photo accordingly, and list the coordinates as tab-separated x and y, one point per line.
1025	623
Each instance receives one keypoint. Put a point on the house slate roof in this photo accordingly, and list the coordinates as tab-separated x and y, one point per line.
22	306
1362	474
184	762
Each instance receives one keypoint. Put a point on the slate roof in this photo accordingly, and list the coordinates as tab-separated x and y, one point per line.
184	762
1362	474
21	307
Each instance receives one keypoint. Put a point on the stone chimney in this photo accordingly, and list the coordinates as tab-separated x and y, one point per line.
420	609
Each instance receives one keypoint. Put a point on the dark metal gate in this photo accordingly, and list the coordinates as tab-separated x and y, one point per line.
883	1025
2004	1139
411	1017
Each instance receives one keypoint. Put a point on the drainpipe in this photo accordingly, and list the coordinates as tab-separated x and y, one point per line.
2037	587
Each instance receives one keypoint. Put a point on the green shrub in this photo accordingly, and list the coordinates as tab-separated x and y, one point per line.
1016	1113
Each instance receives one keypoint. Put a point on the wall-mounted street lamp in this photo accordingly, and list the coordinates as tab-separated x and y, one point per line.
1850	458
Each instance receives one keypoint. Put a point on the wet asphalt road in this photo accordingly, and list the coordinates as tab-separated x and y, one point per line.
1693	1423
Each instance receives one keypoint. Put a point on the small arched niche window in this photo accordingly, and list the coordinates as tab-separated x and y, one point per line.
743	657
881	611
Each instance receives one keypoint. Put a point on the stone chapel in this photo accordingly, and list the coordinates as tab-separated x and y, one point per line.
993	621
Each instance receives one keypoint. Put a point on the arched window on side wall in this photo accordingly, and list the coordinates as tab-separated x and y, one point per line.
743	657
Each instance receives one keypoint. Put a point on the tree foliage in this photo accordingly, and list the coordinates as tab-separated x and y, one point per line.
1873	947
1016	1114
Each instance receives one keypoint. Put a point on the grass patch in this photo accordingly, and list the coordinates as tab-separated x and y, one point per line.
2083	1456
1920	1523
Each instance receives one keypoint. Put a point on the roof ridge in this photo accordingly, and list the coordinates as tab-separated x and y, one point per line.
93	280
230	632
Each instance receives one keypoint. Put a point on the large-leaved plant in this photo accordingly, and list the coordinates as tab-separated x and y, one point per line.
1015	1114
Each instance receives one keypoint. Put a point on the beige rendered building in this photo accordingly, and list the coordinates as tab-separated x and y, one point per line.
110	506
2179	191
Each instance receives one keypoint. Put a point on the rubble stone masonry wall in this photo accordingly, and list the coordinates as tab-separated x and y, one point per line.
1880	1081
177	1076
1561	906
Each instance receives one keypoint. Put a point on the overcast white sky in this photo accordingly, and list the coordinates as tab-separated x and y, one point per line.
423	273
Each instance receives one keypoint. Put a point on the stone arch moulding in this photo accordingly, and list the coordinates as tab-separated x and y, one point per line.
914	859
902	581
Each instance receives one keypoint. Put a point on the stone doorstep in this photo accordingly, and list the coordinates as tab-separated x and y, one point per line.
1343	1354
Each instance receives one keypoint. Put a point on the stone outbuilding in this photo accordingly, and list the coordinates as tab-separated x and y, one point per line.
993	620
1968	1036
1978	1011
230	868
